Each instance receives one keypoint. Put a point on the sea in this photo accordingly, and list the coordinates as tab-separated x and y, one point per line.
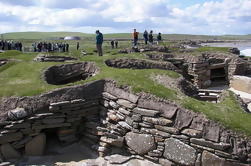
243	46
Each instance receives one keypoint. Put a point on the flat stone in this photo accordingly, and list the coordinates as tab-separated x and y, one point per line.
109	96
61	103
145	112
47	126
171	130
179	152
126	103
118	159
211	131
10	137
165	162
19	126
167	110
9	152
124	111
120	93
183	118
18	113
140	143
36	146
192	133
113	104
213	145
125	125
158	121
136	117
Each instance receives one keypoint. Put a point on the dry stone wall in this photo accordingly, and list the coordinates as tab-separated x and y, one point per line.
117	119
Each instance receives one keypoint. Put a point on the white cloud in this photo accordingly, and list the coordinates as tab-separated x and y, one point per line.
212	17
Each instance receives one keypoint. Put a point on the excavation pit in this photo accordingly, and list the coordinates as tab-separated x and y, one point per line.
69	73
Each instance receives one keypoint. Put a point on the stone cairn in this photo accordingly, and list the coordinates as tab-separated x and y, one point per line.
147	126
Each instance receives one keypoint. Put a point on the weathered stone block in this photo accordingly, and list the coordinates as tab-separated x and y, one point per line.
10	137
36	146
211	131
192	133
17	113
145	112
53	120
213	145
158	121
120	93
165	162
126	103
167	129
167	110
140	143
183	118
9	152
179	152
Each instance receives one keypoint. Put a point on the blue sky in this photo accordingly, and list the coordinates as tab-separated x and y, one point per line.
211	17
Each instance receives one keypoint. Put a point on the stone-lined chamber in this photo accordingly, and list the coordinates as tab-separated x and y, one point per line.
68	73
110	118
53	58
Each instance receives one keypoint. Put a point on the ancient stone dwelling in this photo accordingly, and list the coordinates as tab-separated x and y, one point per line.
208	69
108	118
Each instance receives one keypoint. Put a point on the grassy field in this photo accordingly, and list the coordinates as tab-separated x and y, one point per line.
50	35
23	77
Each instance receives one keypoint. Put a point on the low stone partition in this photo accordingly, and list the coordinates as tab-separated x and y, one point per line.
112	118
140	64
67	73
51	58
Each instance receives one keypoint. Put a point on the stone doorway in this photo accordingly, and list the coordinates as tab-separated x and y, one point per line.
218	77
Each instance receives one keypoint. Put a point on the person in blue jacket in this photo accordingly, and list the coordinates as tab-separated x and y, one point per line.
99	42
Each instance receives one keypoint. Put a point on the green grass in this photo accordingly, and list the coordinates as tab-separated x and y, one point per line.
213	49
23	77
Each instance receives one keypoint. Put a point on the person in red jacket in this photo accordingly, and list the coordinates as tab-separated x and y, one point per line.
135	37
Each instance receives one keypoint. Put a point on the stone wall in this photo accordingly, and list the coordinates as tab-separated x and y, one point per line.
117	119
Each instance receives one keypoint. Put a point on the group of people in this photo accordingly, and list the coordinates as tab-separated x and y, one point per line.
10	45
148	37
50	47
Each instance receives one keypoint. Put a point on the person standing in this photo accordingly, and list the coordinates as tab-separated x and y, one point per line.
135	37
116	43
145	35
159	38
99	42
77	45
151	37
112	44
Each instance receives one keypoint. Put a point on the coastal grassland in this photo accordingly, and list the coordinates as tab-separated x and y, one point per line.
23	77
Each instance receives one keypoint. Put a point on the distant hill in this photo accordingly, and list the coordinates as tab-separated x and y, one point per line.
55	35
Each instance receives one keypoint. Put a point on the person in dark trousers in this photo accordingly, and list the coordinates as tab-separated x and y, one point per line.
112	44
116	43
67	47
159	38
145	35
151	37
135	37
77	45
99	42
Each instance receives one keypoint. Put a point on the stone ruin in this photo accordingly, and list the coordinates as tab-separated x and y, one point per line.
140	64
208	69
55	58
68	73
3	62
108	118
